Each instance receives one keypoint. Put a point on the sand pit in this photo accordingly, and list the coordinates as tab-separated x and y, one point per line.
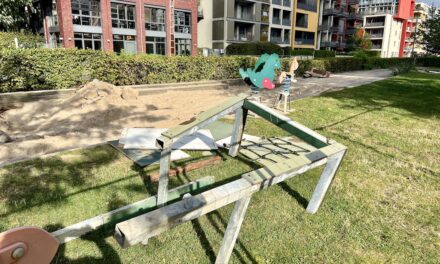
95	114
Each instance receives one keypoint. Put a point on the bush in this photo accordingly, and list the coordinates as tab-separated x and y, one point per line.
302	52
428	61
42	69
25	40
31	69
253	48
325	54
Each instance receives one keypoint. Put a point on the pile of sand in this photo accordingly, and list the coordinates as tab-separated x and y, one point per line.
92	106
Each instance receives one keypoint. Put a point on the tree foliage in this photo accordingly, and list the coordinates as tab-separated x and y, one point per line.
431	33
360	40
12	13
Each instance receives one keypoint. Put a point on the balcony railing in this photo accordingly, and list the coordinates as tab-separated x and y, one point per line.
287	22
374	24
356	16
304	42
276	20
276	40
335	12
350	30
329	28
276	2
245	16
376	47
287	3
353	2
307	7
244	37
377	35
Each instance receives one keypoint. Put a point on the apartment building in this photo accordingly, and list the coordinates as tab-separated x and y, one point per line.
167	27
338	21
237	21
305	24
389	24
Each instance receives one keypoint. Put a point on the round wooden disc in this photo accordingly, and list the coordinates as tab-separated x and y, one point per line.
39	246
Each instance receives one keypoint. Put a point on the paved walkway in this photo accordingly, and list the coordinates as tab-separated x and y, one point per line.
315	86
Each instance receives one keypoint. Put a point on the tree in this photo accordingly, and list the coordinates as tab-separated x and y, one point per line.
13	13
430	32
360	40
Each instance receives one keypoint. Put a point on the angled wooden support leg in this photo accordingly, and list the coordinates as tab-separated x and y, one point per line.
232	230
237	132
165	159
325	181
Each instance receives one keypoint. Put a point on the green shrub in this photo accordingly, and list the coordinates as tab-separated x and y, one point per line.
253	48
428	61
325	54
302	52
372	53
25	40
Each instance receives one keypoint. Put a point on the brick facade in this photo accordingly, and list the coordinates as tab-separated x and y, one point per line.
66	27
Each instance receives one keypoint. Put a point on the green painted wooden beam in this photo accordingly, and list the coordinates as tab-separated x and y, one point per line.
296	129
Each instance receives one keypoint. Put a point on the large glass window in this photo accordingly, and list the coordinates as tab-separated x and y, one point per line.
301	20
154	19
182	22
155	45
88	41
124	42
123	16
183	46
86	12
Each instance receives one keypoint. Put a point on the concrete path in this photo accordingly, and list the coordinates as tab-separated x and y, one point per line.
306	87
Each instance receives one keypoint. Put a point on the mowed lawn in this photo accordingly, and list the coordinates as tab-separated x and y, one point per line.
383	206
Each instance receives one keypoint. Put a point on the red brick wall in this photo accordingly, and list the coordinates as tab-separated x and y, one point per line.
106	23
64	9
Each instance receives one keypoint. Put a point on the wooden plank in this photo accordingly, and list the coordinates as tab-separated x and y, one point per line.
232	230
324	182
137	229
237	132
126	212
300	131
214	160
203	119
165	159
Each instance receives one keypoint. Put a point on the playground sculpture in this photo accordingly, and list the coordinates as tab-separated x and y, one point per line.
286	79
262	76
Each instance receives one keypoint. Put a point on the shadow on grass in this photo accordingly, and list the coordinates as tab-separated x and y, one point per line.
52	180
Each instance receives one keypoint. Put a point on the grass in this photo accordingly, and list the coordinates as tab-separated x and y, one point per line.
384	204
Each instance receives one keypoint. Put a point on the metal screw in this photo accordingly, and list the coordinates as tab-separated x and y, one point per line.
18	253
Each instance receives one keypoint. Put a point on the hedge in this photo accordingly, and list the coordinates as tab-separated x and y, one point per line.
428	61
25	40
253	48
325	54
43	69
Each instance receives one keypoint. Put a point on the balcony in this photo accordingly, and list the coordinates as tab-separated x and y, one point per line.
353	2
376	47
246	16
308	7
376	35
329	28
287	22
374	24
276	40
304	42
276	21
243	37
334	12
277	2
199	14
329	44
350	30
356	16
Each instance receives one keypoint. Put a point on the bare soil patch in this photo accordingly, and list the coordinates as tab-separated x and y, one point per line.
96	113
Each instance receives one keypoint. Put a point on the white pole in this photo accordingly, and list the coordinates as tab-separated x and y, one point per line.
16	42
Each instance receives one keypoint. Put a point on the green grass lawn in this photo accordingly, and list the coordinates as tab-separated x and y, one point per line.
384	205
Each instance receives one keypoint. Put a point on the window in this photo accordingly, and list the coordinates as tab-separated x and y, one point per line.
124	42
301	20
88	41
310	5
123	16
183	46
86	12
304	38
154	19
155	45
182	22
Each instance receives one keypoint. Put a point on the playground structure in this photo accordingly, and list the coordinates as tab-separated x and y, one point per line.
286	78
137	222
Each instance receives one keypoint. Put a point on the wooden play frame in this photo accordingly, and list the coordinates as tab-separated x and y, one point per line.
139	229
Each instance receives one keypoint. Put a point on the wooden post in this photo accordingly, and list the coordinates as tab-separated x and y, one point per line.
237	132
165	159
325	181
232	230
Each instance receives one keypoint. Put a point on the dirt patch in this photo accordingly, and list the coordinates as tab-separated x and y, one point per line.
94	114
